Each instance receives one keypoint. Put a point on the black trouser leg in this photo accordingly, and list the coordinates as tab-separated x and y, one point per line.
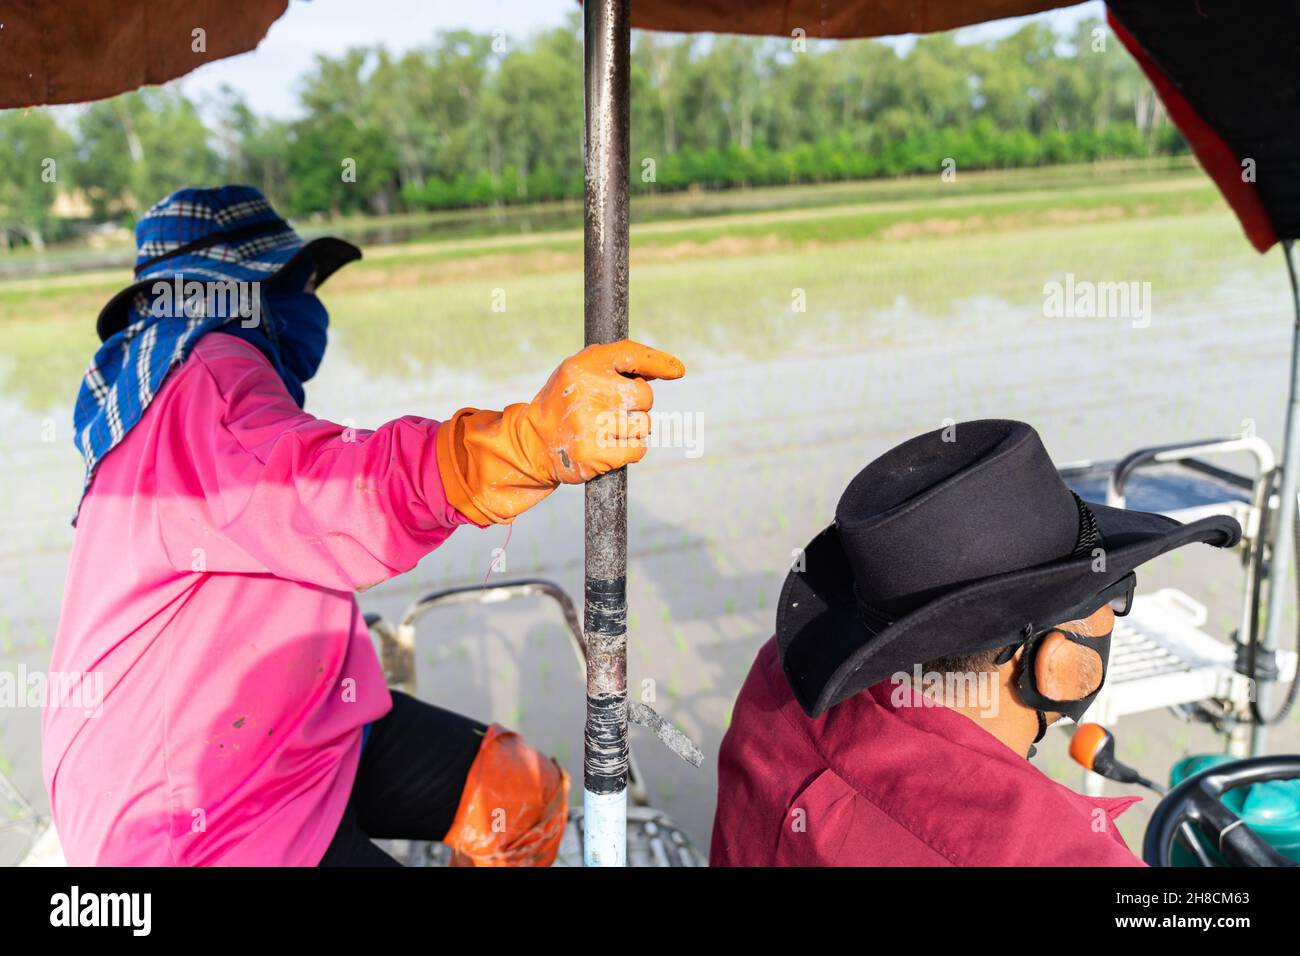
409	781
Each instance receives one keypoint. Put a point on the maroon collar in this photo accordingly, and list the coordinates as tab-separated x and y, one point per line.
951	783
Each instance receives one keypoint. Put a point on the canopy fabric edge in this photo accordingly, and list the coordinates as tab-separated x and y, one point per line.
48	55
843	20
1216	157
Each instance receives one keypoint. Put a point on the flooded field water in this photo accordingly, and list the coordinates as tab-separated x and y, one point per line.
897	337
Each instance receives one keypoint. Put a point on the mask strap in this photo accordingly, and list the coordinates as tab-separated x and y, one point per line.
1042	732
1100	645
1006	655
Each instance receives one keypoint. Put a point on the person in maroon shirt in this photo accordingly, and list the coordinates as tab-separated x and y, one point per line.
961	602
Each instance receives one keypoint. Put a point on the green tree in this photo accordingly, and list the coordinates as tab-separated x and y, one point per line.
136	148
33	153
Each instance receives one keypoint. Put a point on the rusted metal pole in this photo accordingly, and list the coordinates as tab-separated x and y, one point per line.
607	54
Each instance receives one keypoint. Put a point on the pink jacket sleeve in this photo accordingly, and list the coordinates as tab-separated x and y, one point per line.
249	482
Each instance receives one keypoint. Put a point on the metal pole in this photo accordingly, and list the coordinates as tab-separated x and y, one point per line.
607	54
1279	572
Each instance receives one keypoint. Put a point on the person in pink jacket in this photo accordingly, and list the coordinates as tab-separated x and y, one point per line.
240	715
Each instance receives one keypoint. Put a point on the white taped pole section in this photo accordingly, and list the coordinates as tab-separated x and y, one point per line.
606	58
604	828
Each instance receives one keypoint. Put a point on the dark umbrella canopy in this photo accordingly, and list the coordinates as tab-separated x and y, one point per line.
1229	73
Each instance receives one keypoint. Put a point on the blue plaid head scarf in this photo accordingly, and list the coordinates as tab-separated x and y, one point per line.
207	260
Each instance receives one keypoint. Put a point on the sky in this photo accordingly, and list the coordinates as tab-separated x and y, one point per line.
267	75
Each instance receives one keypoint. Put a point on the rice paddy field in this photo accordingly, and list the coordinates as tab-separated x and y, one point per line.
819	326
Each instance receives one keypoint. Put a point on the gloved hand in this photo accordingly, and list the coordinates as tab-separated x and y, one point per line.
589	418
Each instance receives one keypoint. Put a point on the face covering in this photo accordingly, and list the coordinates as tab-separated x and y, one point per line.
292	334
1027	681
299	323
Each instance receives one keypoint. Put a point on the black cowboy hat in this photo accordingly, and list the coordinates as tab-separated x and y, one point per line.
953	543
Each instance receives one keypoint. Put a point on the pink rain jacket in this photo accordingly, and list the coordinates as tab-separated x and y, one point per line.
211	584
871	784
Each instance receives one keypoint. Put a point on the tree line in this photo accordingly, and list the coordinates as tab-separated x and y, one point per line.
474	119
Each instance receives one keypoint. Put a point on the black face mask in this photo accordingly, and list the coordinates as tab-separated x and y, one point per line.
1119	597
1027	682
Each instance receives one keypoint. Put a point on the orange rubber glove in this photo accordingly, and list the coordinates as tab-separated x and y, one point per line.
589	418
514	806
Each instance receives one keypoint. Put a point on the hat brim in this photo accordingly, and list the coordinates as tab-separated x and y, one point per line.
829	655
329	252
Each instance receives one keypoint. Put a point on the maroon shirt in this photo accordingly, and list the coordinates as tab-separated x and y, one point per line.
873	784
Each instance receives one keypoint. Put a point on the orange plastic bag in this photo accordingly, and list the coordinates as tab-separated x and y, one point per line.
514	806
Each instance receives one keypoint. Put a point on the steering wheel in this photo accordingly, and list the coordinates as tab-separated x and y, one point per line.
1198	800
